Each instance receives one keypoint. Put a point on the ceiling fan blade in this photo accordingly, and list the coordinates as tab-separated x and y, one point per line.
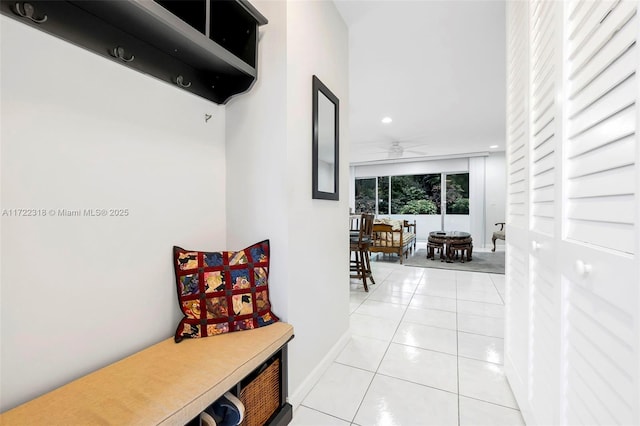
378	151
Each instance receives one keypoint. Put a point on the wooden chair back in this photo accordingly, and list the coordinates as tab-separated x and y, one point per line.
366	226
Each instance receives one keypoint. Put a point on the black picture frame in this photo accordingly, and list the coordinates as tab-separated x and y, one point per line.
325	182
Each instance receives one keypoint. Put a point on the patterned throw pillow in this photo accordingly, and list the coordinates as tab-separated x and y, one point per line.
221	292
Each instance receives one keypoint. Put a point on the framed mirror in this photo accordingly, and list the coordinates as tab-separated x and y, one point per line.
326	129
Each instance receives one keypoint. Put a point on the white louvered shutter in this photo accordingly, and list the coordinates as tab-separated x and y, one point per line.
517	126
544	114
600	298
544	146
603	59
572	341
517	154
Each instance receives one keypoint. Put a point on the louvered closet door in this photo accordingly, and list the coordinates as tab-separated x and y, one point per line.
600	299
517	261
545	162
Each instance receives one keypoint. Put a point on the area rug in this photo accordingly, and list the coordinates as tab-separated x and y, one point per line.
482	262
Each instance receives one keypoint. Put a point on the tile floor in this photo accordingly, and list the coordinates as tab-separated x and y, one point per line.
426	349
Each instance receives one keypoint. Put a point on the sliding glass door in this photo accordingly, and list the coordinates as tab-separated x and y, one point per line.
424	198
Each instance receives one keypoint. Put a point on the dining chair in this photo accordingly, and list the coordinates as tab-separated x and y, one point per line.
359	244
498	235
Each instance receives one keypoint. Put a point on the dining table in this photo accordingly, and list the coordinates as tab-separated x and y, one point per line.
449	242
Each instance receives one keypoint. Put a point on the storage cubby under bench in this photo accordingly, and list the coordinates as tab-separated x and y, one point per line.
168	383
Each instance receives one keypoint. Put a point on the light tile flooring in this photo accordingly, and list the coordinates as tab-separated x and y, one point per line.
426	349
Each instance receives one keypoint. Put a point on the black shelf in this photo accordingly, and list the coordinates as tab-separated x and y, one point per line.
192	12
238	36
165	39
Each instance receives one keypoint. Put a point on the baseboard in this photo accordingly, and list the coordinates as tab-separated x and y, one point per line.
301	392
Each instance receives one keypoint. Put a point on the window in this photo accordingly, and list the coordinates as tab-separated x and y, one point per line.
383	195
415	194
458	193
366	195
410	194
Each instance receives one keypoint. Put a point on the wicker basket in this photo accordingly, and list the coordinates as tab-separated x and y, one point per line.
261	397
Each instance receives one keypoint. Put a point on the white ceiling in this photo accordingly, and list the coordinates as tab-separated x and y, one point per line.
437	68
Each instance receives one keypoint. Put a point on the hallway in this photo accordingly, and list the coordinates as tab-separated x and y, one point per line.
426	349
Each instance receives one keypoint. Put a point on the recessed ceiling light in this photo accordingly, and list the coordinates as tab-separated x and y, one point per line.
387	120
493	146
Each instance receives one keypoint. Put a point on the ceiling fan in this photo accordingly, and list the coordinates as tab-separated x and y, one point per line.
393	148
396	150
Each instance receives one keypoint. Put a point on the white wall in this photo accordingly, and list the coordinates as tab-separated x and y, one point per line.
319	294
79	131
477	208
309	273
496	192
256	146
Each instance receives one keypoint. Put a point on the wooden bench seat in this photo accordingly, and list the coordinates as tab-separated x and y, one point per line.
167	383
